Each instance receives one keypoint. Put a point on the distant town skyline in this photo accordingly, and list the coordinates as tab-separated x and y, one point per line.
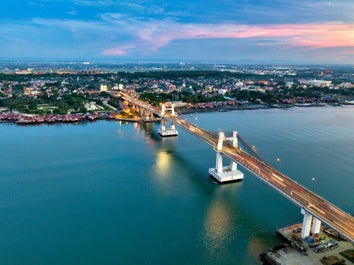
274	31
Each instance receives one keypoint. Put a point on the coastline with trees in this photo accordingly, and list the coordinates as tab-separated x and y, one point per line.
76	95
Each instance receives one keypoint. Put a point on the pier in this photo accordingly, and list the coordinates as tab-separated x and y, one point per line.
319	248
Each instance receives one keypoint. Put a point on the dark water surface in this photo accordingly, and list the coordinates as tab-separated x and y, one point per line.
111	193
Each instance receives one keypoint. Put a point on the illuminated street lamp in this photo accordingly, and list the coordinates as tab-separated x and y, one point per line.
314	181
279	161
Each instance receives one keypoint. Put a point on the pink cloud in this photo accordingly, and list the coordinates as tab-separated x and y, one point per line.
316	35
312	35
119	51
152	36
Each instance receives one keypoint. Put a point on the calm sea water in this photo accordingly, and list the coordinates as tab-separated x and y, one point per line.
111	193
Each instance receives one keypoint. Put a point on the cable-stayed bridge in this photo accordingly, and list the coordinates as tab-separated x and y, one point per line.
314	208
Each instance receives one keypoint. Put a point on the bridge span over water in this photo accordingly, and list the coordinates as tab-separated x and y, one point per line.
314	208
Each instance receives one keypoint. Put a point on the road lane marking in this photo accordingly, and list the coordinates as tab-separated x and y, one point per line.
276	176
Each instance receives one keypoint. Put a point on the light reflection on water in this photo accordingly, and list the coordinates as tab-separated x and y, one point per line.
163	164
218	226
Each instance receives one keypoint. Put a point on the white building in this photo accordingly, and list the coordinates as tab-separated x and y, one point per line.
317	83
103	87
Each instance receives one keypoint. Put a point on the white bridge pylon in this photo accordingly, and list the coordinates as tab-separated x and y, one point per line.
227	173
164	108
163	131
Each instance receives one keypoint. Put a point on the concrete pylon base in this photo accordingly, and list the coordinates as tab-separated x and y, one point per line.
227	175
168	132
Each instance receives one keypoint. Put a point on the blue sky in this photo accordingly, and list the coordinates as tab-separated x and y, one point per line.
301	31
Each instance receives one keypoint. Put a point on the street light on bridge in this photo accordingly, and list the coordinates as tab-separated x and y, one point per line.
314	181
279	161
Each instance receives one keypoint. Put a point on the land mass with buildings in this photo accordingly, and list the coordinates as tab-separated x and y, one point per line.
52	92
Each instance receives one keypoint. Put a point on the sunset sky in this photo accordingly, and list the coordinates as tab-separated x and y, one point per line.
248	31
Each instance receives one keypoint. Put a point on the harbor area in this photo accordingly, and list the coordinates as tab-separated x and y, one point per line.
325	248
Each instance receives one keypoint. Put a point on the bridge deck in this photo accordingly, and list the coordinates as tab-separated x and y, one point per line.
322	209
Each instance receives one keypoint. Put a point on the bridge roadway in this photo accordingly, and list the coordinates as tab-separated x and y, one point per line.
317	206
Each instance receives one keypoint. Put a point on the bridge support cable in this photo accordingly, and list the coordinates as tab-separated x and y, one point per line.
251	148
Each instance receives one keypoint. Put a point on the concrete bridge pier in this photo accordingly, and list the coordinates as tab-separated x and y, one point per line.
143	113
164	132
227	173
147	115
309	224
306	224
316	226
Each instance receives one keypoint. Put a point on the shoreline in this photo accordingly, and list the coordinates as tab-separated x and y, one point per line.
34	119
261	106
